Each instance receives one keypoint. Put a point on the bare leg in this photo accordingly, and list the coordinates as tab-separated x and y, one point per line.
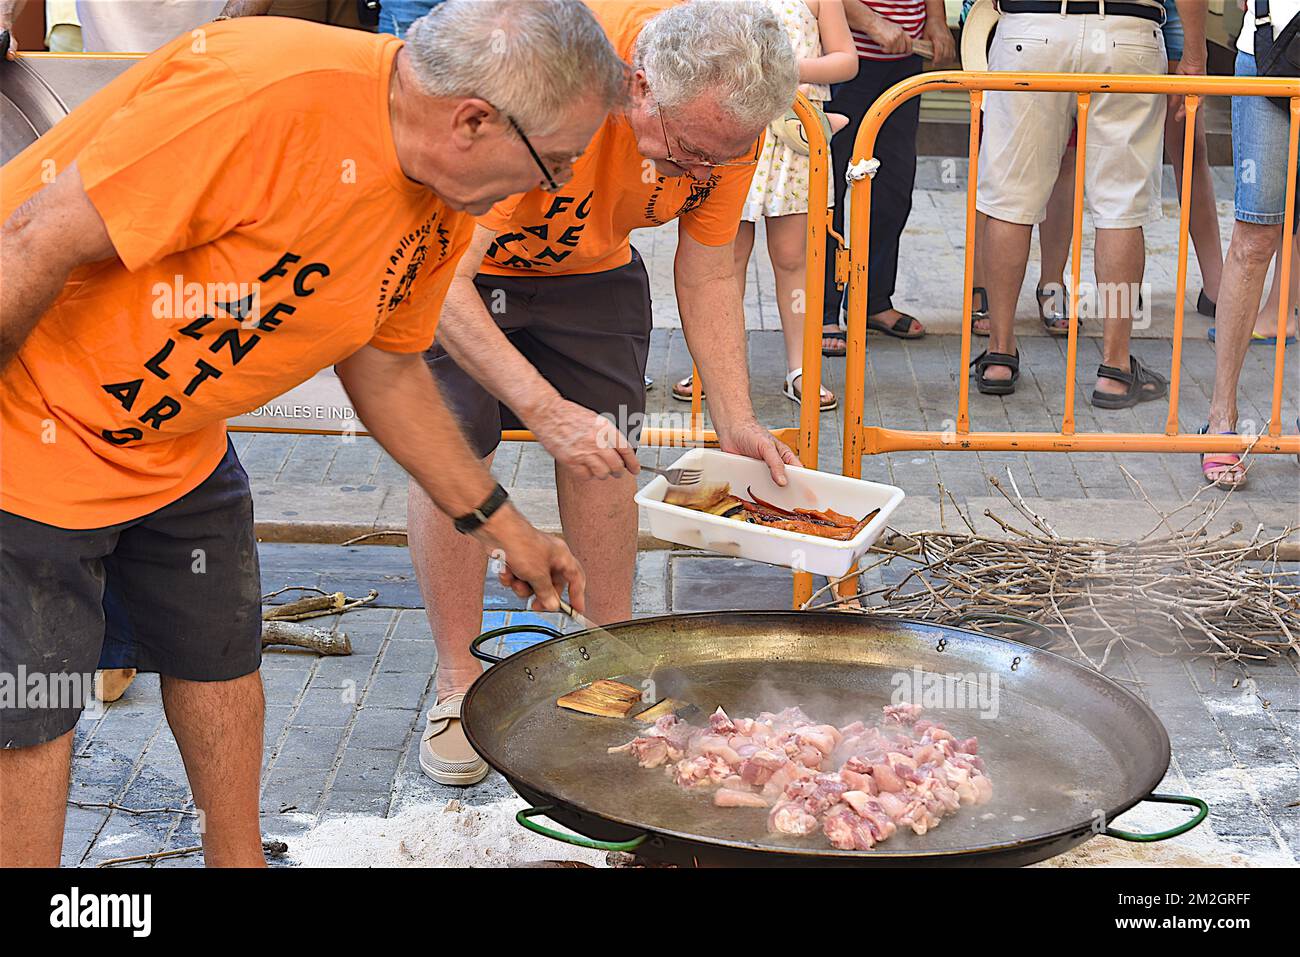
218	726
600	526
1120	259
1266	322
450	568
743	245
787	246
1244	269
34	802
1054	232
1005	261
980	326
1204	224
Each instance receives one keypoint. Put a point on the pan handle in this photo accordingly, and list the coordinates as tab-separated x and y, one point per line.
1202	809
476	649
525	815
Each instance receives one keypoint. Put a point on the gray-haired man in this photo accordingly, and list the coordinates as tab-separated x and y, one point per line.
326	172
547	322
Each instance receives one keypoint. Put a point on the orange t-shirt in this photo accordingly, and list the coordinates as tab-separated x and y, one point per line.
265	230
584	227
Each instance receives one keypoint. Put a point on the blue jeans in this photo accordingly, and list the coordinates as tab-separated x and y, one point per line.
396	15
1259	152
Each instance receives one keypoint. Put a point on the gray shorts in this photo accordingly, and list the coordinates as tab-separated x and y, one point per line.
588	335
177	591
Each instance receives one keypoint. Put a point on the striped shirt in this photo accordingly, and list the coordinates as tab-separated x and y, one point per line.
908	14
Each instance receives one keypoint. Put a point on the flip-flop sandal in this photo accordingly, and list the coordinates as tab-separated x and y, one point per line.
982	312
841	336
1255	338
1056	323
1221	461
828	399
996	386
445	752
1143	385
899	330
682	390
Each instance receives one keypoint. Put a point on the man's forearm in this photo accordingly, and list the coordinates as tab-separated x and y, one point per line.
29	283
397	399
481	349
861	17
1192	13
245	8
713	320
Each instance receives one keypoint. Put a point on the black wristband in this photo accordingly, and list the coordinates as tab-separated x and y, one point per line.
467	523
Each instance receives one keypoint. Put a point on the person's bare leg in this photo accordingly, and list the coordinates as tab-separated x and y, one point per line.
450	568
218	727
1266	322
787	247
1054	232
1005	261
1120	259
1244	270
1203	227
979	326
34	802
600	526
743	247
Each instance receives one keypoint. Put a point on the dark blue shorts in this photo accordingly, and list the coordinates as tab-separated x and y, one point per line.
177	591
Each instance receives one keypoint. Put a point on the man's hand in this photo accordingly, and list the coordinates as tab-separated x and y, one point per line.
940	37
533	563
891	37
390	391
579	439
1192	64
752	440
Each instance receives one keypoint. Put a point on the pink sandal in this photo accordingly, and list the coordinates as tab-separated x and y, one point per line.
1230	472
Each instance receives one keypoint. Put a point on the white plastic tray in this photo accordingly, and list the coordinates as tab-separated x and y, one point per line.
808	488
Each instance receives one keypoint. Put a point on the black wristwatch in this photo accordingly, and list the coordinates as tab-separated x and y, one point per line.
467	523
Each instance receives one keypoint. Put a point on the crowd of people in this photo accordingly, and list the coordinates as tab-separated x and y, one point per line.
476	168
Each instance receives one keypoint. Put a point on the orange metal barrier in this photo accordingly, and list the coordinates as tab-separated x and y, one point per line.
860	440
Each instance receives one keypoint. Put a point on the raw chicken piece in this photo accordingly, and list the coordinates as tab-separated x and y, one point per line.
857	783
731	797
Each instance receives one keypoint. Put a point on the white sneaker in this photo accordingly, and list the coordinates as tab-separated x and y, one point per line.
445	752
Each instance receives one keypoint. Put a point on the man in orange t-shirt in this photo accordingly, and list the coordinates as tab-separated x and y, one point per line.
237	211
555	336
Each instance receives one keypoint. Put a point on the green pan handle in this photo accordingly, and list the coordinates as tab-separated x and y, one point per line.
525	816
475	646
1202	809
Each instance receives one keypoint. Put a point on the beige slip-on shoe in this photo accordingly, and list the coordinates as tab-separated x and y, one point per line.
445	752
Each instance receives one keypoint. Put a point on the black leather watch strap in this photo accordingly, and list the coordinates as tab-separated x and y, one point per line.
467	523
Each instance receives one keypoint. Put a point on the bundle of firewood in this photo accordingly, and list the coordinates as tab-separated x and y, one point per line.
1175	589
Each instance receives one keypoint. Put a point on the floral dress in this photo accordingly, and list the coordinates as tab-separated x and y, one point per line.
780	184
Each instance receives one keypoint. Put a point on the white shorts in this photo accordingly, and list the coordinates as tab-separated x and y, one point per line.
1025	134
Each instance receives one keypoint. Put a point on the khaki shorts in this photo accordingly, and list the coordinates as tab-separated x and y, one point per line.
1025	134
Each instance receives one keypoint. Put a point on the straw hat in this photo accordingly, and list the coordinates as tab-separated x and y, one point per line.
977	34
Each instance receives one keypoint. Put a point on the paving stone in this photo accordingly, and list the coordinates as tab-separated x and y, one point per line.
384	729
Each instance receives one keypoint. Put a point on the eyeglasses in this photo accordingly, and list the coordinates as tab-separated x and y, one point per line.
684	163
551	185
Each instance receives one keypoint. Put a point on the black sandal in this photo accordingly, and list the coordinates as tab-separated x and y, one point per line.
1051	322
901	329
996	386
1143	385
841	336
982	312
